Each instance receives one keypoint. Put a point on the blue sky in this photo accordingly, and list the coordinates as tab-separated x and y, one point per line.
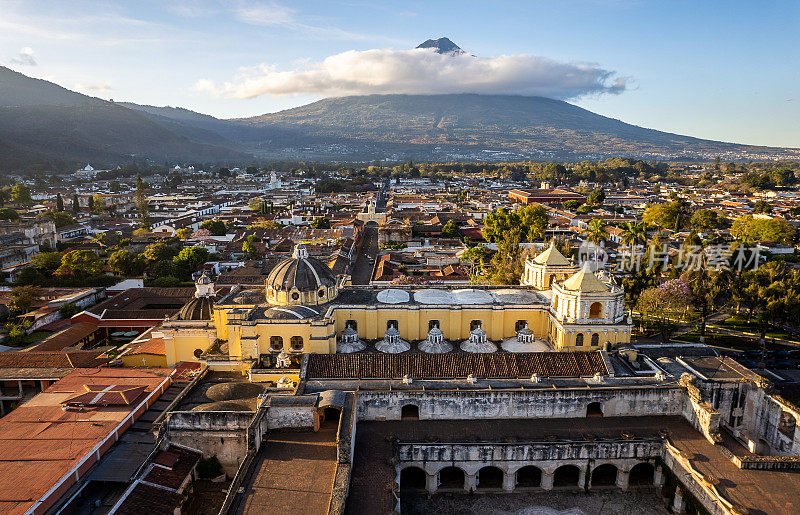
721	70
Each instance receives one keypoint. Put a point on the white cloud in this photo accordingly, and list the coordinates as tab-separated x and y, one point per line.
26	57
266	14
102	87
422	71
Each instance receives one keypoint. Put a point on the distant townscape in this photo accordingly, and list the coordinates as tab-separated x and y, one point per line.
399	336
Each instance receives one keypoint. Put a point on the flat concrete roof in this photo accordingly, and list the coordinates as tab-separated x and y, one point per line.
292	472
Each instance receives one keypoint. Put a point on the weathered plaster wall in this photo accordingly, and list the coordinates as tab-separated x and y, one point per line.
483	404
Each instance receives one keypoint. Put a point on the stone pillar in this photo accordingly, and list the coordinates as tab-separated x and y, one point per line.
432	482
622	479
509	481
470	480
582	480
547	480
658	477
679	504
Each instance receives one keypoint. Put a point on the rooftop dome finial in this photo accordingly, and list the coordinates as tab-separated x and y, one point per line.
300	251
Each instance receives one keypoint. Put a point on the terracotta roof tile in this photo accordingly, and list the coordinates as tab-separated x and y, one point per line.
495	365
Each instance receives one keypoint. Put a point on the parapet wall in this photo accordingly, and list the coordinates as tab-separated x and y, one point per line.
533	403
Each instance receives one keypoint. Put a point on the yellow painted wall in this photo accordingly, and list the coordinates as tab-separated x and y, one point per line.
144	360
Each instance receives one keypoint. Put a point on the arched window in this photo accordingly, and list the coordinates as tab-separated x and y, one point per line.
642	475
392	323
550	280
412	478
594	410
432	324
489	477
297	343
595	340
604	475
474	324
579	340
351	324
555	302
566	476
520	324
529	477
596	310
321	293
276	343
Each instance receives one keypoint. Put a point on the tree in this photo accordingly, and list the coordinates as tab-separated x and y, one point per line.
477	258
571	204
114	187
46	262
184	233
80	264
23	298
21	194
7	213
506	264
159	252
761	207
634	233
450	230
141	203
755	230
59	203
664	305
596	197
250	248
97	204
669	215
319	223
704	220
596	232
707	287
216	226
126	263
59	218
68	310
76	207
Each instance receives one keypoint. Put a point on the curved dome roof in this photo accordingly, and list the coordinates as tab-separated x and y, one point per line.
199	308
300	272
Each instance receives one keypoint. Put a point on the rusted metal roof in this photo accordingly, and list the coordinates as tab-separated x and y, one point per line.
495	365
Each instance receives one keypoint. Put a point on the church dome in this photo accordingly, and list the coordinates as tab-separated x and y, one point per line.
300	279
199	308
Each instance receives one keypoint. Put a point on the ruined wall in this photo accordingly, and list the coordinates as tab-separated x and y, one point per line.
544	403
215	433
294	417
530	452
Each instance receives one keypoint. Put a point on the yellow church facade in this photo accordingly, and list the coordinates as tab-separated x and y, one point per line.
303	308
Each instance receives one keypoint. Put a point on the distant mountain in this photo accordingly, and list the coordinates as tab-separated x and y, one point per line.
43	122
46	122
477	127
442	46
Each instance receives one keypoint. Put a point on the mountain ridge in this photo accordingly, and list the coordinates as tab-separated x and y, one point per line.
42	121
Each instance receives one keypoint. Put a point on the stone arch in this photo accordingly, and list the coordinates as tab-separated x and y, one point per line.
566	476
413	478
596	310
451	478
642	474
489	478
409	412
579	340
529	477
595	341
594	410
787	425
604	475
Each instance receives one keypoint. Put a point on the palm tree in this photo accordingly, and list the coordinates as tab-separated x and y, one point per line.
596	233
